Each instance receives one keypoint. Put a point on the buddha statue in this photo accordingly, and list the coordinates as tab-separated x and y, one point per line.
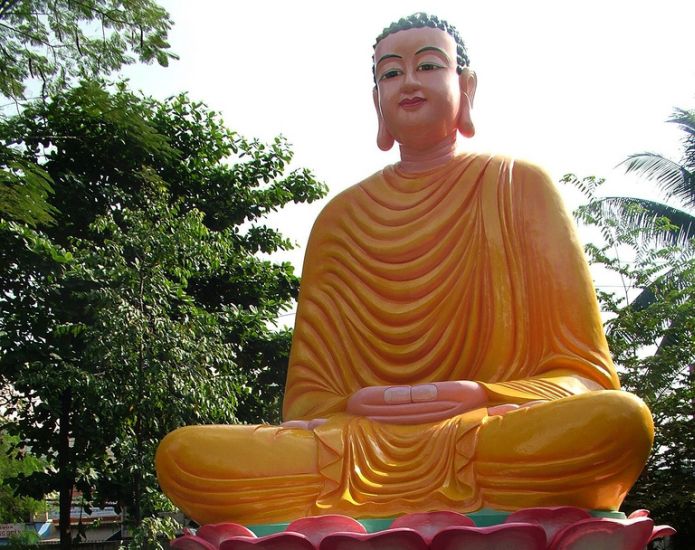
448	352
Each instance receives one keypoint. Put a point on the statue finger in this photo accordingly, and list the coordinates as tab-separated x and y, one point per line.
396	395
423	392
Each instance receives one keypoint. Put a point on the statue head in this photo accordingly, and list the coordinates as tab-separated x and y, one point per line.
423	87
419	20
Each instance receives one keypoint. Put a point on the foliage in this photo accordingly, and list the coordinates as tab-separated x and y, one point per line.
151	532
13	466
24	190
47	43
651	332
146	306
165	361
26	540
52	41
676	180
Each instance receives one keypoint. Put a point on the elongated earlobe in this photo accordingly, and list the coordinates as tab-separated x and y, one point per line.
468	82
384	139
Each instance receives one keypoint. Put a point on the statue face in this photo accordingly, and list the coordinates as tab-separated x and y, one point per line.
418	92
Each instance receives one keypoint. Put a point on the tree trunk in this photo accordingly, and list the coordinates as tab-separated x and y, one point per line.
67	479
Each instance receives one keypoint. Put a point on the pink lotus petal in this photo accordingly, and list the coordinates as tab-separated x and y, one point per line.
641	513
661	531
191	542
605	534
316	528
519	536
215	533
551	520
391	539
277	541
428	524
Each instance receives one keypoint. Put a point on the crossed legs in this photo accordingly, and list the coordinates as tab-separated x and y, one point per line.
585	451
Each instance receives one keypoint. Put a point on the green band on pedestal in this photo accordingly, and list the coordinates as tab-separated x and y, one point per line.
482	518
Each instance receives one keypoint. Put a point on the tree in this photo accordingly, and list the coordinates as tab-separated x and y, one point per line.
676	180
147	301
24	190
48	43
13	466
52	41
651	331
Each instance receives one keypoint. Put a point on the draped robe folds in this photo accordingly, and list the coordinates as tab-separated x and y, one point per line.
471	271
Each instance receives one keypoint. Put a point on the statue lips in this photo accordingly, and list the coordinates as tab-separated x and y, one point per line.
412	103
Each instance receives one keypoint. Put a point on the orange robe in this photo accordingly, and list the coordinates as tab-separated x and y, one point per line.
471	271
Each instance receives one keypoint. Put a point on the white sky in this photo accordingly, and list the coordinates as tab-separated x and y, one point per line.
573	86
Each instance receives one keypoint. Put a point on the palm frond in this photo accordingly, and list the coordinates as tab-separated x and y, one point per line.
672	178
664	224
686	120
675	179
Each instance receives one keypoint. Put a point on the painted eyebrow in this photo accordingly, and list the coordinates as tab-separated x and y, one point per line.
433	49
388	56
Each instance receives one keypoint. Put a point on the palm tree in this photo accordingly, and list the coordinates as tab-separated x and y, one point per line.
652	334
652	224
676	180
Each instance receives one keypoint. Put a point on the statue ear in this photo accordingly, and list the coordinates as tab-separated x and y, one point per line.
468	82
384	139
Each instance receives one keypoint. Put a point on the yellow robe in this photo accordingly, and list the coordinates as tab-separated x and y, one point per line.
471	271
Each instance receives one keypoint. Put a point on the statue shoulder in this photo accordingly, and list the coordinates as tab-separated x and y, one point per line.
337	210
527	173
350	194
526	184
528	181
506	169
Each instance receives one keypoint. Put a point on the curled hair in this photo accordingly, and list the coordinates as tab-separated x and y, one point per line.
419	20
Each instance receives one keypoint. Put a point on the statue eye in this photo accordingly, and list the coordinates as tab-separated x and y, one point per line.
391	73
429	67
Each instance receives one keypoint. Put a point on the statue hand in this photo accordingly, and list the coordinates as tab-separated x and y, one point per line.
417	404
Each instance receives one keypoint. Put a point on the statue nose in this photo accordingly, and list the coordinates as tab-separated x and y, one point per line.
411	81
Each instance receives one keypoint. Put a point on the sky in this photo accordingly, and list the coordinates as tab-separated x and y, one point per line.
572	86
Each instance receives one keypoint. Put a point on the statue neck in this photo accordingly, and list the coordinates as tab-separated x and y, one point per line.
415	160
